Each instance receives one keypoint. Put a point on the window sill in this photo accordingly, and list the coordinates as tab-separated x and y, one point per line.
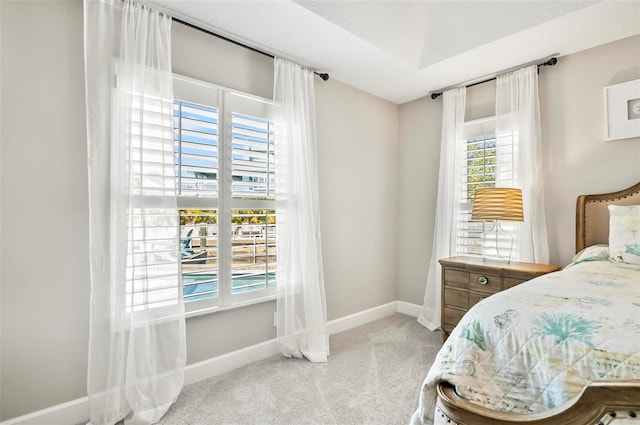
215	309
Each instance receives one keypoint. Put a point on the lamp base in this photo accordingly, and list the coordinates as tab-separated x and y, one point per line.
497	244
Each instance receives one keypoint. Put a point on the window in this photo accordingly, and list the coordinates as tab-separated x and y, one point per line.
225	170
150	222
486	160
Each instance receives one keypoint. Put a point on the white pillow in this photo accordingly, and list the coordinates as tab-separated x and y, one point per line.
624	233
598	252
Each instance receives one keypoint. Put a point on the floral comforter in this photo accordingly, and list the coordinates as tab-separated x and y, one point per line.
537	345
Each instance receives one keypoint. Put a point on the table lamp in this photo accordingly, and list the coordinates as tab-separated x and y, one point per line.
497	204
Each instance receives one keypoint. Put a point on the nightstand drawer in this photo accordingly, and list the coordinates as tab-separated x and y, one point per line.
485	282
456	278
448	327
452	316
476	298
456	297
510	282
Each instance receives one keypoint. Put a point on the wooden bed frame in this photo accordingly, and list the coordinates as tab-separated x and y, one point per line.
600	403
592	215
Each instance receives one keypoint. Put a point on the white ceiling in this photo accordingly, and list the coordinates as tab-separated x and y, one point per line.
401	50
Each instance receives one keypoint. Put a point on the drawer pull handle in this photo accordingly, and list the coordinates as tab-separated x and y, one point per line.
483	280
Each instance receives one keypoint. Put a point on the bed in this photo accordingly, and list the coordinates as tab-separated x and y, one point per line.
561	349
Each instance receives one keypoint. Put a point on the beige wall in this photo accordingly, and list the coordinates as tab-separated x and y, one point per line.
45	264
44	213
576	158
420	127
358	158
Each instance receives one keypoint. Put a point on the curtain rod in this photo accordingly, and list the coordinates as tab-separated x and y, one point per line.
322	75
548	61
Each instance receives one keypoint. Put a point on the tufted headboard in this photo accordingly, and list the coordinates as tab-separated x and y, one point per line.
592	215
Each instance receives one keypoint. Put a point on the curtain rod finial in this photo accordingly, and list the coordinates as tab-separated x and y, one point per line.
324	76
435	95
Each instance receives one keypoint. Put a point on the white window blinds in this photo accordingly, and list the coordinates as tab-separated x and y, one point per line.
151	263
196	149
252	157
487	160
225	160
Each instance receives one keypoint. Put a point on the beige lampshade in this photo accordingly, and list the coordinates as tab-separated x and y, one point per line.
497	203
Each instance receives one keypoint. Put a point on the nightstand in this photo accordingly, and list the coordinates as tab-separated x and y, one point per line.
466	281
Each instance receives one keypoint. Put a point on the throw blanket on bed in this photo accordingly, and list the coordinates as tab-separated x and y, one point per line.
536	346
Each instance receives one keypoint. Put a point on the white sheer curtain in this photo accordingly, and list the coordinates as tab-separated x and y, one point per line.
302	314
518	118
137	347
447	204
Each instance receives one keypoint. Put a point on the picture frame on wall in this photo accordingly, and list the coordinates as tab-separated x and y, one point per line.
622	110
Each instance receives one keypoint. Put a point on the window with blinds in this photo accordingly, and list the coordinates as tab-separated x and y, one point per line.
252	157
151	221
225	177
486	161
196	131
196	134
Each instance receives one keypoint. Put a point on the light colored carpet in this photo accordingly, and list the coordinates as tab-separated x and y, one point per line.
373	377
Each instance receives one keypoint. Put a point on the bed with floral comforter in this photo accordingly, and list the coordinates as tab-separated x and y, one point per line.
537	345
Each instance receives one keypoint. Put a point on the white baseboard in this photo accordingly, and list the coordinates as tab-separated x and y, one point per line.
69	413
77	411
409	309
197	372
354	320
